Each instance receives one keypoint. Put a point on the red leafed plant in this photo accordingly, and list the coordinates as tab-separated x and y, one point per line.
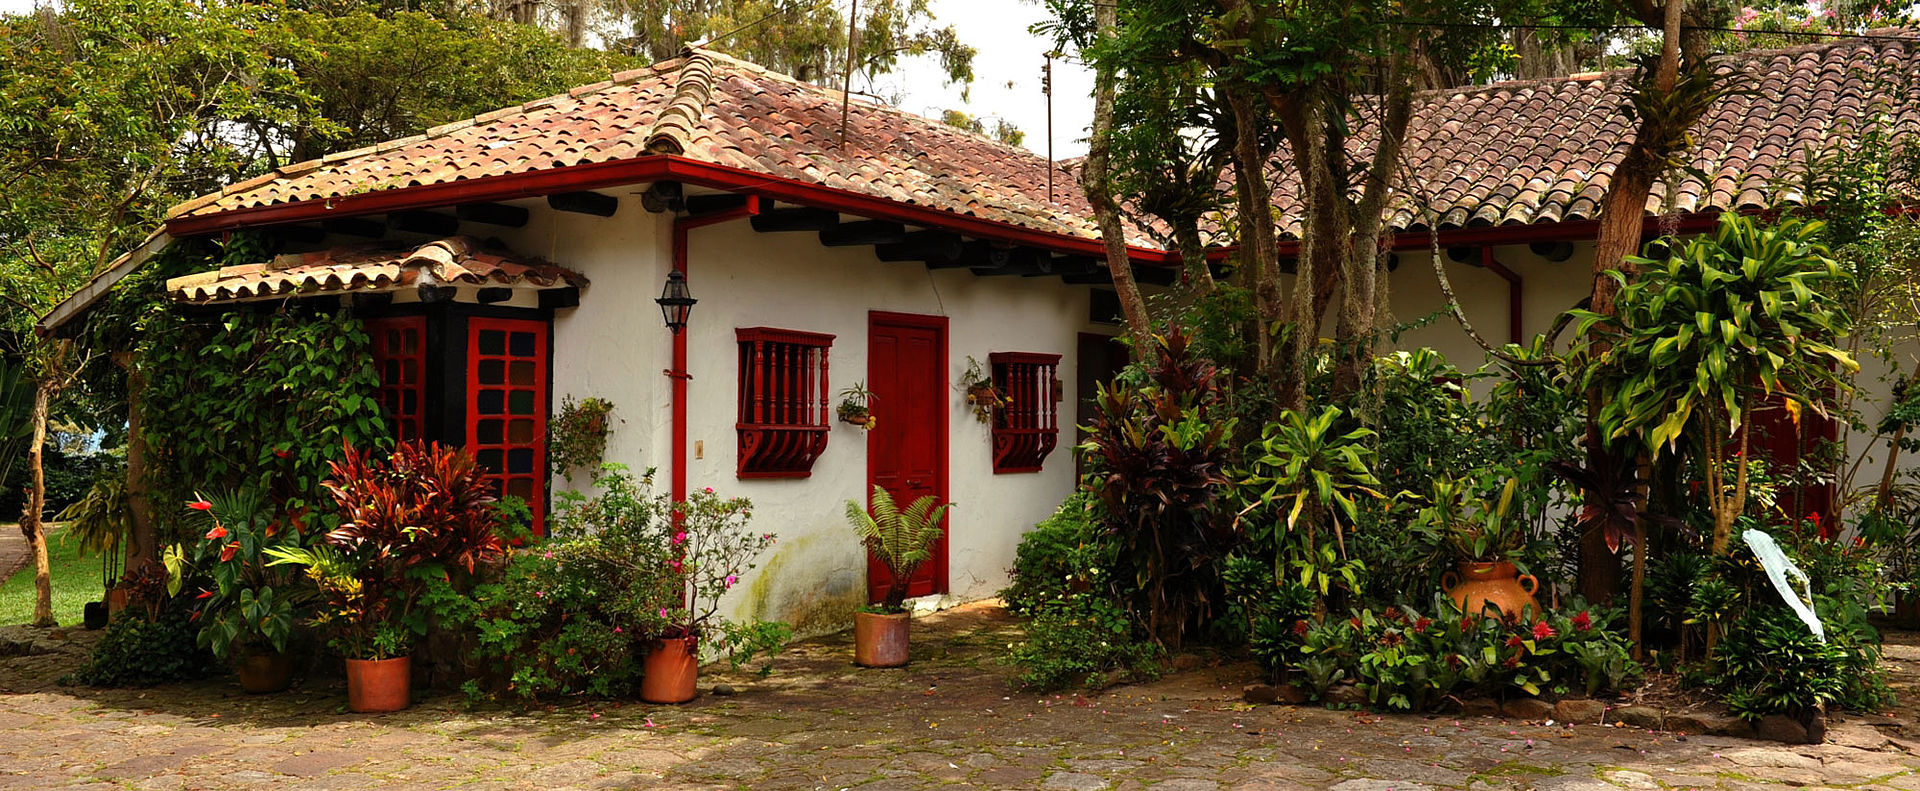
427	503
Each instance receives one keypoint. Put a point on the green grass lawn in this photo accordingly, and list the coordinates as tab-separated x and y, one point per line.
76	581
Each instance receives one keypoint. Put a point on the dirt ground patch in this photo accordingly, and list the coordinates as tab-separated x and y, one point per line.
951	719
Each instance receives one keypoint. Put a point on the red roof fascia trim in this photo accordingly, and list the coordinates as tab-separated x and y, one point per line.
631	171
806	194
508	186
1570	231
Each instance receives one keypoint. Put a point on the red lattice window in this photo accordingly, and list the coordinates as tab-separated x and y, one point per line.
507	407
400	354
1027	428
784	412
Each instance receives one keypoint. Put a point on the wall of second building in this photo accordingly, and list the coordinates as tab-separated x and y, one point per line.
1548	290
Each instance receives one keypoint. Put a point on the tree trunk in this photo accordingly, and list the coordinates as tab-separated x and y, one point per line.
1095	183
1197	273
1324	248
1259	236
31	521
141	547
1622	216
1360	278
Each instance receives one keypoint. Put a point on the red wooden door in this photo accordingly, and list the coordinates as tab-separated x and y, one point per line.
907	449
507	407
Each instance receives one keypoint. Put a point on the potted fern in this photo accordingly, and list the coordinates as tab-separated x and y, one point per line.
902	540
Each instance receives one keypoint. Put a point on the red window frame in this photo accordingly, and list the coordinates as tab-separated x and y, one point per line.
784	401
399	347
1027	428
507	407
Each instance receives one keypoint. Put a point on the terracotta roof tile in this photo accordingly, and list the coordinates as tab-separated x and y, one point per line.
1517	152
375	266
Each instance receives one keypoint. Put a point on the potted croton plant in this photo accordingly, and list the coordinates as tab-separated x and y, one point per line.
902	540
246	615
712	546
427	510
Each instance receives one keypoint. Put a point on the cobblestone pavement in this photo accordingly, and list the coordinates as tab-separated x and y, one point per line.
951	719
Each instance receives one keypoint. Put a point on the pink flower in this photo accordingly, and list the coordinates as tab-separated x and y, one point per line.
731	579
676	564
1541	630
708	490
616	630
680	537
663	612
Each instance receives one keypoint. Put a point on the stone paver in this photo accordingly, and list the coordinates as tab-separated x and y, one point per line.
952	719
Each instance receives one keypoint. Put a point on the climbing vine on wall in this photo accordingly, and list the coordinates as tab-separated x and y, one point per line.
260	396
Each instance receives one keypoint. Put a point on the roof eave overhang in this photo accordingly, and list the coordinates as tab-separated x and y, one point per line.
600	175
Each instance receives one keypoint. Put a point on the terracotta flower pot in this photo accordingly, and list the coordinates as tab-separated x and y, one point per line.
266	671
880	640
1479	584
376	685
673	672
116	601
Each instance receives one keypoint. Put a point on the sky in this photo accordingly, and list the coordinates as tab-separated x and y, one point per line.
1007	74
1009	55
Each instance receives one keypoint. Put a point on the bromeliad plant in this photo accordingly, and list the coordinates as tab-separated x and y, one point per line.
1724	324
1478	529
427	510
902	540
249	607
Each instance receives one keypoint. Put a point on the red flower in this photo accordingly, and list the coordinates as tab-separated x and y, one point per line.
1583	621
218	531
1515	641
1300	627
1355	622
1541	630
200	505
283	453
204	595
232	549
1422	624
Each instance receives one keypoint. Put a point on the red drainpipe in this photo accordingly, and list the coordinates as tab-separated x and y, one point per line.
678	373
1514	285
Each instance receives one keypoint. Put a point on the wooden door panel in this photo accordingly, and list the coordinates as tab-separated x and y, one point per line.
907	450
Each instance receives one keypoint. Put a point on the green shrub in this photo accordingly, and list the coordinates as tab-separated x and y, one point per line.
139	652
1079	629
1065	554
1771	663
1087	639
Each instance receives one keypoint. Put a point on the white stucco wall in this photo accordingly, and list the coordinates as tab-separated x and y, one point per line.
615	346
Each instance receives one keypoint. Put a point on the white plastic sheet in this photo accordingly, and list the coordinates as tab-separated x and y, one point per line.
1779	567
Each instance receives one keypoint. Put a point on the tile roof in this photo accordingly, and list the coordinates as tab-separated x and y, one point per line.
1502	154
1544	151
714	109
372	267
